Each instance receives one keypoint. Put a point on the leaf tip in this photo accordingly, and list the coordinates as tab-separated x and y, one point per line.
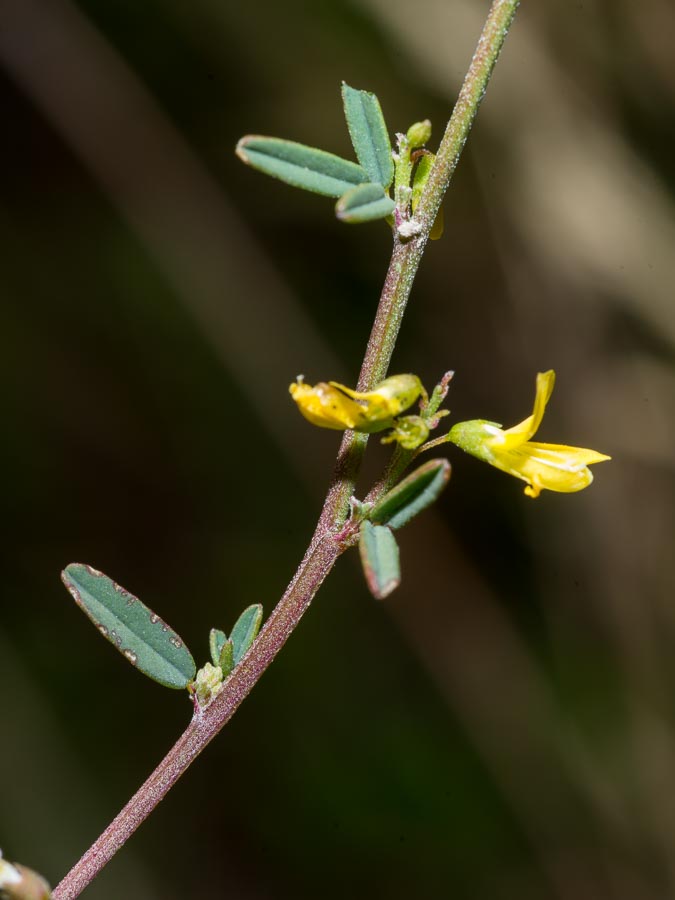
240	149
69	575
381	589
444	469
341	211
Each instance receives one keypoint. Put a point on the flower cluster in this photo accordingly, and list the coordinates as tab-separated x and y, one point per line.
552	467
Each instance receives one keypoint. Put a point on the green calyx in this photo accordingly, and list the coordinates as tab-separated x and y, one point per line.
472	437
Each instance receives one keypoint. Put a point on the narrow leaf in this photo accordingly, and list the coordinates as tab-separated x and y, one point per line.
216	640
245	629
379	558
412	495
363	204
369	135
226	658
133	629
301	166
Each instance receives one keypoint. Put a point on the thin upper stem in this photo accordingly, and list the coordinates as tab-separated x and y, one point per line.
472	92
331	536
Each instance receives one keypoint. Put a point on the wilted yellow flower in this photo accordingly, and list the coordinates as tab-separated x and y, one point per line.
551	467
332	405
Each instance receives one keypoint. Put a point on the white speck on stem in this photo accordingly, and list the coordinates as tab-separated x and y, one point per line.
410	228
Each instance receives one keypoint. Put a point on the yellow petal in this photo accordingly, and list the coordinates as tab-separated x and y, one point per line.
525	429
326	406
579	455
373	406
551	467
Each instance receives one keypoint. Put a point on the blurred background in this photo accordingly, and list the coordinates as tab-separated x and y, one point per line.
504	725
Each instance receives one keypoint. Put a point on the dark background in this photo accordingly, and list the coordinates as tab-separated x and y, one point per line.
504	725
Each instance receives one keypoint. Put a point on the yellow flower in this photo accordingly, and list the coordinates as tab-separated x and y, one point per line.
332	405
551	467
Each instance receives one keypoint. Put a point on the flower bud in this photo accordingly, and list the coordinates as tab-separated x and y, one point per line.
418	134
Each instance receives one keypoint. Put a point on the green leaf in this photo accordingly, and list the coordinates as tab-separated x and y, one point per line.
226	658
369	135
245	629
133	629
363	204
300	166
410	496
216	640
379	558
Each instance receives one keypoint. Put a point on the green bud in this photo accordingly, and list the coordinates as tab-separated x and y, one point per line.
419	134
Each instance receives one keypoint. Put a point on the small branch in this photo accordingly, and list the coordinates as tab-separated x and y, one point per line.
328	542
205	724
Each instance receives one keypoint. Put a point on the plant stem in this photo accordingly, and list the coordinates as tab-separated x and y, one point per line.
473	89
330	537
